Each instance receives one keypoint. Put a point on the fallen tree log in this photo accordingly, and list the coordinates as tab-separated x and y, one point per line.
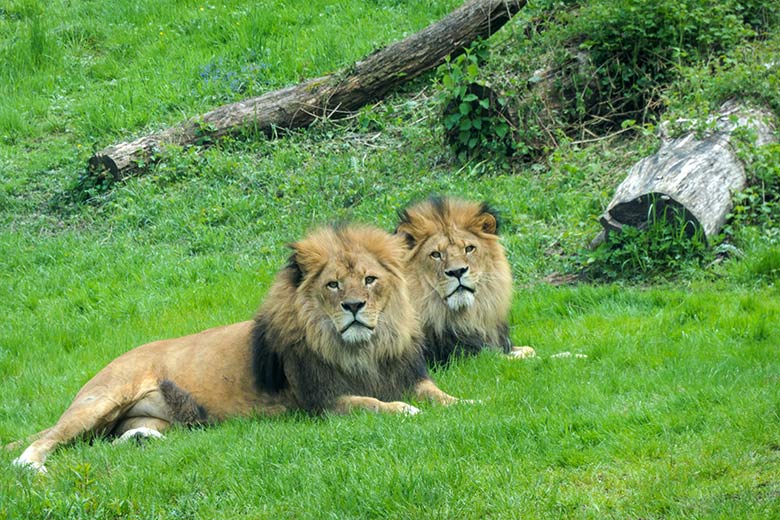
691	177
332	96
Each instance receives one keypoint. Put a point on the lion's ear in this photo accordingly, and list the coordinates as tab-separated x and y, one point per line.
306	258
294	269
486	221
407	230
409	240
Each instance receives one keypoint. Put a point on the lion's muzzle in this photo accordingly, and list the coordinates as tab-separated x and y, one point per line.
460	288
355	328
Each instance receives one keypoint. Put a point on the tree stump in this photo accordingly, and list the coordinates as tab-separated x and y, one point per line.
690	177
332	96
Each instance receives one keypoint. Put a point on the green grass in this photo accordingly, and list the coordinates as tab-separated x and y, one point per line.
668	416
117	66
675	413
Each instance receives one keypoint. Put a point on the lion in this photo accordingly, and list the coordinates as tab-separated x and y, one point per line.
459	277
336	332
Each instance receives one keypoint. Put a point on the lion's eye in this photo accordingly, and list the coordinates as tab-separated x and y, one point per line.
333	284
370	279
436	255
470	249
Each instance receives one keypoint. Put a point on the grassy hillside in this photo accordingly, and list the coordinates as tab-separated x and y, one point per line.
675	412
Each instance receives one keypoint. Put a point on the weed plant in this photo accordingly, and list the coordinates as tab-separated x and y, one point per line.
477	121
759	203
669	246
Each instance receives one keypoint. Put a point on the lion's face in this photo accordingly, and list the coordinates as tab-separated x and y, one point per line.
455	259
353	293
346	294
454	266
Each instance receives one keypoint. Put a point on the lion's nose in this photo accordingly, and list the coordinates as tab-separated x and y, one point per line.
457	273
353	306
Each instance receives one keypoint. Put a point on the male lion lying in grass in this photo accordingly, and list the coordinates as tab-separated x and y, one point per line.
460	280
335	332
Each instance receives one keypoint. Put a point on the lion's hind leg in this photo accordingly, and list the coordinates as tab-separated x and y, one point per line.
181	405
15	445
88	414
157	410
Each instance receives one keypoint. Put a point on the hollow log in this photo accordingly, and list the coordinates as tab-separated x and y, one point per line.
331	96
692	176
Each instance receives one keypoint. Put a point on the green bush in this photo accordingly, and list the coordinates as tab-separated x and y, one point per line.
636	46
477	120
667	247
759	203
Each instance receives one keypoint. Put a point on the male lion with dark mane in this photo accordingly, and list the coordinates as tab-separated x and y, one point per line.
460	280
335	332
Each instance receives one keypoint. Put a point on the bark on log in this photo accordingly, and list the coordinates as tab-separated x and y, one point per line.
332	96
689	176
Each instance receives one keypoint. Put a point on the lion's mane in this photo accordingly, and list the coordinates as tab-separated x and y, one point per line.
447	331
295	349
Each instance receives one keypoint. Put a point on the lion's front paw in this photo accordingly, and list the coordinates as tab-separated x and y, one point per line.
524	352
404	408
443	399
412	410
34	465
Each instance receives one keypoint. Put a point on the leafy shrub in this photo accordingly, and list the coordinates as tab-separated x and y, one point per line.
89	187
759	203
636	46
477	120
665	248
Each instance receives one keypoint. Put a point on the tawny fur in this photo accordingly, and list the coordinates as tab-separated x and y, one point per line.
291	356
333	252
449	228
